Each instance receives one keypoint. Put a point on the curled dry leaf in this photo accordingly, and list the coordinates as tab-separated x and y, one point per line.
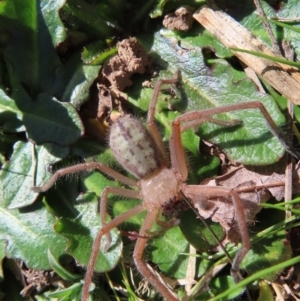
221	209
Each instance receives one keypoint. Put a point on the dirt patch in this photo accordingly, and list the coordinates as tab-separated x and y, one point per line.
131	58
182	19
113	79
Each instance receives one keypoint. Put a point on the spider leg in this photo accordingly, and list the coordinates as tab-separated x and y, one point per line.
81	167
150	118
103	205
142	267
195	190
194	118
97	242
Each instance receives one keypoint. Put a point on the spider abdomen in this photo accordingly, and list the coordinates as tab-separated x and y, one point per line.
133	146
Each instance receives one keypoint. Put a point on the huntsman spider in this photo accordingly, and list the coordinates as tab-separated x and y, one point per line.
161	179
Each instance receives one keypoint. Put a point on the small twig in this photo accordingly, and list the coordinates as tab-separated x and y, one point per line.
289	168
288	191
267	26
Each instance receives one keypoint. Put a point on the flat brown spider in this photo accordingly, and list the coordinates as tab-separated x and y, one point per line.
161	180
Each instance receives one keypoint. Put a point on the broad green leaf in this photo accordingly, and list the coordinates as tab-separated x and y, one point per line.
73	81
27	168
166	252
74	14
69	293
29	233
81	225
48	120
10	115
288	11
217	85
33	30
221	284
196	232
271	250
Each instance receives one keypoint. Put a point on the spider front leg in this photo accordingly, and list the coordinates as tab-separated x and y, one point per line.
151	112
195	118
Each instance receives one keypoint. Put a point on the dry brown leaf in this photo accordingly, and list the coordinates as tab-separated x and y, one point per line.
220	209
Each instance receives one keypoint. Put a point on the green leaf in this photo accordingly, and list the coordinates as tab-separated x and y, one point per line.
223	283
81	229
270	250
48	120
269	57
218	85
72	291
73	81
289	11
23	171
94	55
59	269
256	276
74	14
28	234
196	232
166	252
2	255
265	292
10	115
35	28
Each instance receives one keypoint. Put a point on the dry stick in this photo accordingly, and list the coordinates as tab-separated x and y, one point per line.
289	168
283	78
267	26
